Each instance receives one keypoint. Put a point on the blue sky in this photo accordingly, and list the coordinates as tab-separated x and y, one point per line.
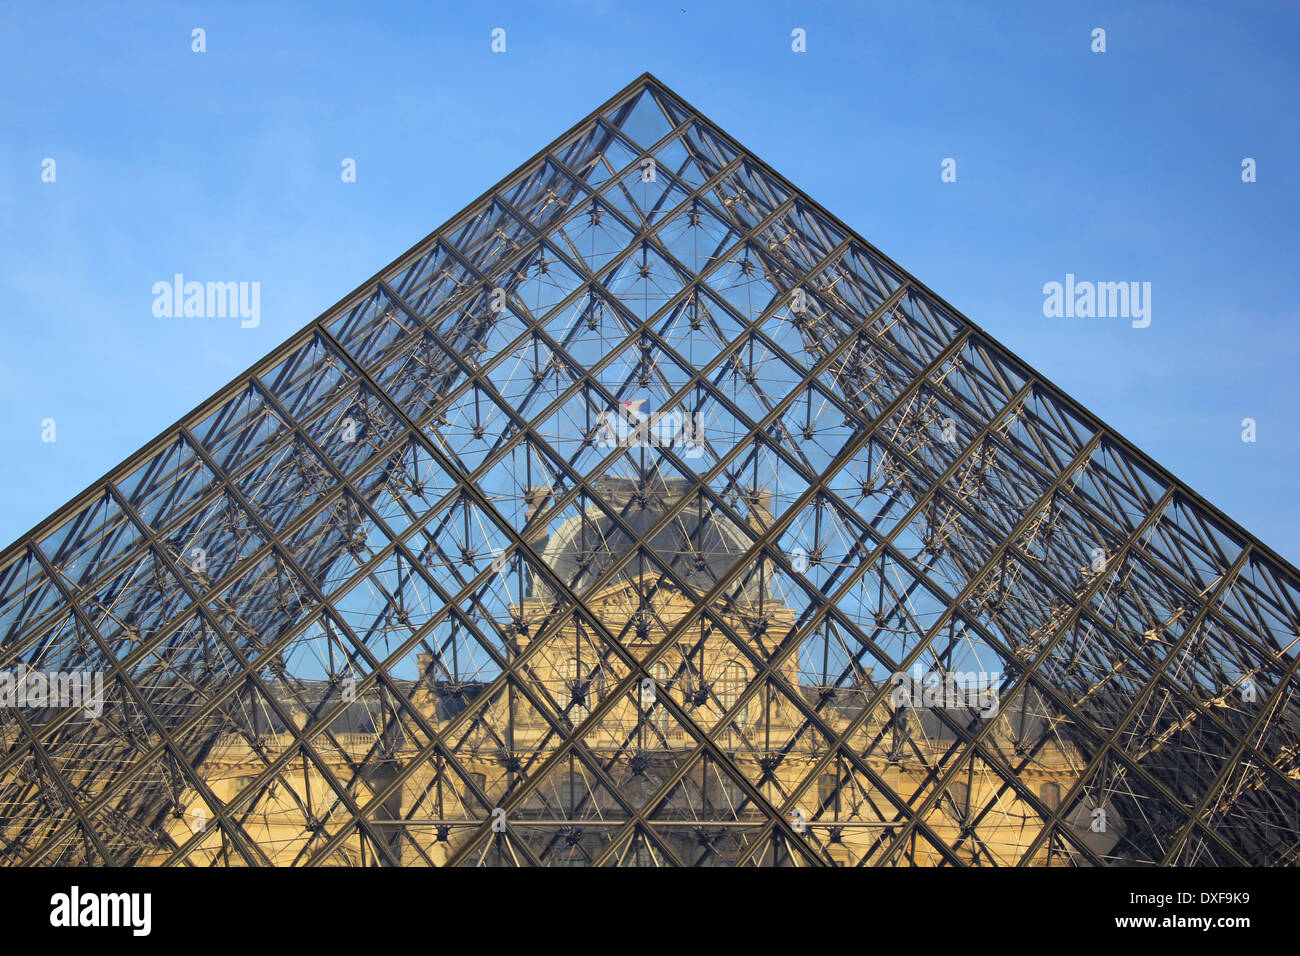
1115	166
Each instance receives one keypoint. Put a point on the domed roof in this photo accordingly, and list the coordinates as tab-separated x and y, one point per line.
699	545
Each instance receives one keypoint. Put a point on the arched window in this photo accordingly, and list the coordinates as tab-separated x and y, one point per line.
960	794
689	685
828	793
659	716
732	680
579	688
1050	794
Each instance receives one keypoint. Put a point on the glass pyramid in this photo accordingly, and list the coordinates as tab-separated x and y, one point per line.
644	514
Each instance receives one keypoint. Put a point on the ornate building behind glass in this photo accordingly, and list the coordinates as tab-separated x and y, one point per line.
644	514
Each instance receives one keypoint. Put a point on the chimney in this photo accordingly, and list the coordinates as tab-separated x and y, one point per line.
760	508
534	499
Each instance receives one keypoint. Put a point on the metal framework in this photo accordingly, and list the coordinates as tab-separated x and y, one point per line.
432	584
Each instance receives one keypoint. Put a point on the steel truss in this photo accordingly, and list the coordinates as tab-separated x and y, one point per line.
392	597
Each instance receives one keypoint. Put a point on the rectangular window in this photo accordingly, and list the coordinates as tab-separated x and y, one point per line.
467	795
1050	794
